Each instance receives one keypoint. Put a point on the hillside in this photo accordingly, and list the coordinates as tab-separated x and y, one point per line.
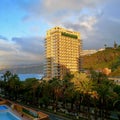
109	58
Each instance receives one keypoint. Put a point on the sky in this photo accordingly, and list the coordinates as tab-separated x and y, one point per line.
23	26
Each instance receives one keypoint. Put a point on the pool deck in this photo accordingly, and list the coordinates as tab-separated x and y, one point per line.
20	115
17	114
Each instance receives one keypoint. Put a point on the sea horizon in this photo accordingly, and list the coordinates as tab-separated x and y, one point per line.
24	76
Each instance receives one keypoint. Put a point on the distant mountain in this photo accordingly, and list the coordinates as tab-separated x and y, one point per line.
109	58
24	69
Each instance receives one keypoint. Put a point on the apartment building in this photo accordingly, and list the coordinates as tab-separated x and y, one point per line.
62	52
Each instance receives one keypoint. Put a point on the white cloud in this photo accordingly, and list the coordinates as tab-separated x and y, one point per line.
21	50
86	25
8	45
96	20
56	11
54	6
90	17
89	22
33	45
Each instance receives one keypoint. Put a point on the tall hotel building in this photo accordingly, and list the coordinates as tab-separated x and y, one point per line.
62	52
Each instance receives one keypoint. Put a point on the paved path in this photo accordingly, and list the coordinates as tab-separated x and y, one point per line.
19	115
54	116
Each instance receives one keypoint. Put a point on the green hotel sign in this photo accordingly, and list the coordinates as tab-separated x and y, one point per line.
69	35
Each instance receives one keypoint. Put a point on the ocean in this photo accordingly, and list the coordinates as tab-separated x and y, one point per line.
25	76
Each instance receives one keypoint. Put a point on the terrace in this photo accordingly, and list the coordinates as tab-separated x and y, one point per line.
19	112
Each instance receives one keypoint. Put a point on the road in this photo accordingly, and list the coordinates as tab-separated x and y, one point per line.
53	116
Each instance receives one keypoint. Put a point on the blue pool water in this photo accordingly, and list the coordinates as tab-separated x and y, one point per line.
3	107
8	116
5	114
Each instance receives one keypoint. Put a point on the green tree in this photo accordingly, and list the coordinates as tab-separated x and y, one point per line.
116	103
45	93
13	85
105	46
118	46
116	64
104	88
67	90
30	88
56	86
115	45
69	94
84	85
6	76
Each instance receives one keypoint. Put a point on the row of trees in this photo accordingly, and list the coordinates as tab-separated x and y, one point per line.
78	93
115	45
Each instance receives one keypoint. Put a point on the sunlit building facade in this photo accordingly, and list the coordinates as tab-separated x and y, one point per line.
62	52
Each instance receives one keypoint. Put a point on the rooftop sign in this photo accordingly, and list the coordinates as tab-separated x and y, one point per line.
69	35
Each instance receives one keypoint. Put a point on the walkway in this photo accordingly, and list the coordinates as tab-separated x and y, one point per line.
20	116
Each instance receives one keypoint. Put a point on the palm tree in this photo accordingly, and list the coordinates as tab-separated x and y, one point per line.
56	86
104	89
105	46
116	103
115	45
6	76
1	86
30	88
105	92
83	84
45	93
13	85
69	95
67	90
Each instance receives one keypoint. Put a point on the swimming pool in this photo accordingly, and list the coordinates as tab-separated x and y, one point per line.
8	116
3	107
5	114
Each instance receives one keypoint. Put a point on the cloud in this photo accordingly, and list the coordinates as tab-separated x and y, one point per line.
56	11
2	37
96	30
98	22
84	23
26	50
81	15
33	45
7	45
